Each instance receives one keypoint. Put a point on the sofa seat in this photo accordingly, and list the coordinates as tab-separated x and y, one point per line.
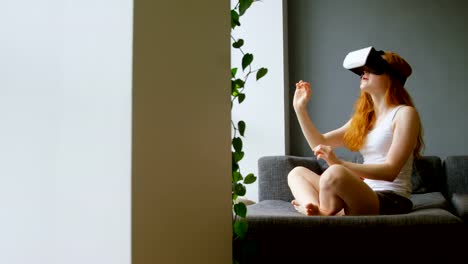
429	209
434	232
279	234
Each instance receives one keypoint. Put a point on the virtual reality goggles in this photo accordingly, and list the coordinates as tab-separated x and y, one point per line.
370	60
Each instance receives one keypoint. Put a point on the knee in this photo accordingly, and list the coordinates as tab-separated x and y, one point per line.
295	173
333	175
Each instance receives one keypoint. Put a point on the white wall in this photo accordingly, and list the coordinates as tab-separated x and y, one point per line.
263	109
65	131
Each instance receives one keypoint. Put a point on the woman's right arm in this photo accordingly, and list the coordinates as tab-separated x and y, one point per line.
333	138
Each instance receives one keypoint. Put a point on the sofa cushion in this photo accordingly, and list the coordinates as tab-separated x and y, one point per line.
460	204
456	173
271	212
429	200
271	208
427	174
281	208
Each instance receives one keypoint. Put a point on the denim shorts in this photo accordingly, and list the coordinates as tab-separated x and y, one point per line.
392	203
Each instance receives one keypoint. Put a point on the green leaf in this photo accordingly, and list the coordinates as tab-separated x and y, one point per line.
241	126
233	72
238	83
239	189
238	156
239	43
236	176
241	97
240	209
246	60
235	166
250	178
262	72
234	19
244	5
240	228
237	144
235	85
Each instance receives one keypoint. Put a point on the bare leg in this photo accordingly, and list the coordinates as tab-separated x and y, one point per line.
336	192
341	189
304	185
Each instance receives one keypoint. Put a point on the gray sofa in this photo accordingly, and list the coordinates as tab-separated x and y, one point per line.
434	232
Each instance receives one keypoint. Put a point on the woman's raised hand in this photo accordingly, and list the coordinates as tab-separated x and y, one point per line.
301	95
326	153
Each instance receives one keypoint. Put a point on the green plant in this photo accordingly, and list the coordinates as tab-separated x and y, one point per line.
239	179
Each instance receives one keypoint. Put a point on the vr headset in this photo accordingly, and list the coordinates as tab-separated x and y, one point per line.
369	59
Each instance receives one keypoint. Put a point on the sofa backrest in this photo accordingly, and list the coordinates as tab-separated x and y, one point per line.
456	173
273	175
428	174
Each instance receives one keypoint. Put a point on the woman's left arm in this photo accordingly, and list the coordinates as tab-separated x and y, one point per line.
405	135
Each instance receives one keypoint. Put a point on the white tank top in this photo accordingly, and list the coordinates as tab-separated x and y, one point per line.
374	151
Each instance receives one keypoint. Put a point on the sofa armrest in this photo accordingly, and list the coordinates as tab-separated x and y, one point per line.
273	175
456	173
460	204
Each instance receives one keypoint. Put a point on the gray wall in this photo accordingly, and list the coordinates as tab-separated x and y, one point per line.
431	35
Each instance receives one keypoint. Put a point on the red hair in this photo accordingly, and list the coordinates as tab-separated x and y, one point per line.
363	118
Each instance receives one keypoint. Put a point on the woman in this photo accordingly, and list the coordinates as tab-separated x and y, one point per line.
385	127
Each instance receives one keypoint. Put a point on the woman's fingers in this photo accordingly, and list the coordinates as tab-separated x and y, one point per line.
321	147
325	152
317	148
301	83
301	95
319	154
322	151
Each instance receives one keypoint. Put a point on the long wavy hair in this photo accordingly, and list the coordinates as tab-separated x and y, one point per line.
363	117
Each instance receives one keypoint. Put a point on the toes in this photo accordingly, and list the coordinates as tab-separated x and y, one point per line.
300	209
311	209
295	203
307	209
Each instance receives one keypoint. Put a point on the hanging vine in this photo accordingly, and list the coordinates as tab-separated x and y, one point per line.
238	81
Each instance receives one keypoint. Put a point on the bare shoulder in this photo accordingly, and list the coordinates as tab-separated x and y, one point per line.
406	112
407	115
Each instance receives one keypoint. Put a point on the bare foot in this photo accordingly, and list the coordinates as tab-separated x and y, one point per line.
307	209
341	213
